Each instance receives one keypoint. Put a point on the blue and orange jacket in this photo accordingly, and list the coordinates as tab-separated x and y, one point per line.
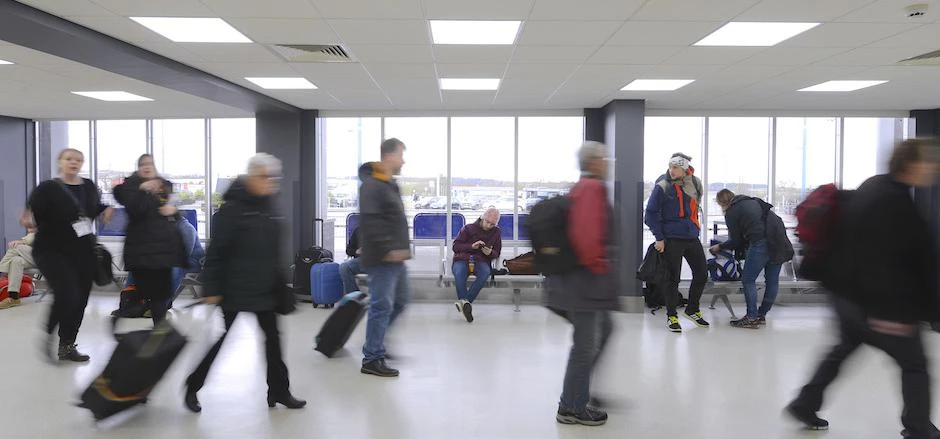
671	213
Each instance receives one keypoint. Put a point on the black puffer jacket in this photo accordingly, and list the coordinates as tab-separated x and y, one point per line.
383	226
152	241
243	261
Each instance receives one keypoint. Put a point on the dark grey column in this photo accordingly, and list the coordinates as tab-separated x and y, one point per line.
623	132
927	124
291	137
17	173
594	121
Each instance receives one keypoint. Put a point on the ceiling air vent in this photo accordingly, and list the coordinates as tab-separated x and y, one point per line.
927	59
312	53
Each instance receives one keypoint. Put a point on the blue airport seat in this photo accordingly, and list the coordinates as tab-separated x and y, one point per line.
524	227
434	225
117	226
352	223
505	227
190	215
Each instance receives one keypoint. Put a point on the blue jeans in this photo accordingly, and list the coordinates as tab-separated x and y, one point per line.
592	330
461	271
348	271
757	259
388	293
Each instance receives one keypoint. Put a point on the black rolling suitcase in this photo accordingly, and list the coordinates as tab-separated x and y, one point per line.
342	322
139	361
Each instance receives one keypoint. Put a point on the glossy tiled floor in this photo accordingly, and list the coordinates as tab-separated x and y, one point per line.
496	378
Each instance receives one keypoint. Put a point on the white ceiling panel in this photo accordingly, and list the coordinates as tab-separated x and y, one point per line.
373	98
385	9
401	70
699	10
632	55
846	34
263	9
662	33
800	10
161	8
567	33
392	32
471	70
392	54
468	99
890	11
331	70
477	9
551	54
792	56
121	28
586	10
248	69
926	37
540	72
247	53
286	31
520	87
712	55
70	8
472	54
335	85
871	56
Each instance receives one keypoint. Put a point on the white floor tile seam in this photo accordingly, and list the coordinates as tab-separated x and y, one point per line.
497	377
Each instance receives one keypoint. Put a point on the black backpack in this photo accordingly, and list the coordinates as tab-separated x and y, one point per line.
548	230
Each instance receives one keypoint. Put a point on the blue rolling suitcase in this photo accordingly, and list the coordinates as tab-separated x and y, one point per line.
326	285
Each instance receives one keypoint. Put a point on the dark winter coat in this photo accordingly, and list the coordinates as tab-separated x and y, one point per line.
383	226
54	211
885	259
152	241
671	213
750	219
243	261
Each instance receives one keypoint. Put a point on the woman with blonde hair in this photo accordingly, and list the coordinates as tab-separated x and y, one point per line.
64	249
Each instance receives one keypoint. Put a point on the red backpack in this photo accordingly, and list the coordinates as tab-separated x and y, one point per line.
818	218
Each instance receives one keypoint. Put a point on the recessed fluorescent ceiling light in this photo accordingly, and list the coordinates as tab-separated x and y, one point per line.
842	85
741	33
474	32
657	84
5	62
193	30
112	96
469	83
283	83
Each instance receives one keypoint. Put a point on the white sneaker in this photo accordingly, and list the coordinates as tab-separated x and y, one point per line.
459	305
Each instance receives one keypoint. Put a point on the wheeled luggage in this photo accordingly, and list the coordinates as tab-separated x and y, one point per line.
341	324
326	285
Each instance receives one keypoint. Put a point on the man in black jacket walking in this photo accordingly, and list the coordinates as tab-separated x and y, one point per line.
383	234
754	227
881	301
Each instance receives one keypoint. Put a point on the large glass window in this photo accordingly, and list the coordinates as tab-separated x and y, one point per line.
179	152
483	163
806	159
233	143
862	139
119	144
77	135
737	160
663	137
347	143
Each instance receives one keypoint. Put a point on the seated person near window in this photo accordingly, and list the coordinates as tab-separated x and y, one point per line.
483	242
18	258
351	267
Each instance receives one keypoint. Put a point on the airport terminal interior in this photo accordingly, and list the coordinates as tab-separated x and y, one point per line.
492	100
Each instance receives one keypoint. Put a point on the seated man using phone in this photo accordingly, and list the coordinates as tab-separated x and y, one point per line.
476	246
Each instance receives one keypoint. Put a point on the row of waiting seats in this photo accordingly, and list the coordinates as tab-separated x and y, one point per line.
434	226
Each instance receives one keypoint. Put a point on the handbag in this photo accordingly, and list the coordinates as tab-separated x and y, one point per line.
522	264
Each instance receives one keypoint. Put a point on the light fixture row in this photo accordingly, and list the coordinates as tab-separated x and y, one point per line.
675	84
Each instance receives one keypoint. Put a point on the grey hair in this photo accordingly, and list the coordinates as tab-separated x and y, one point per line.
264	163
591	150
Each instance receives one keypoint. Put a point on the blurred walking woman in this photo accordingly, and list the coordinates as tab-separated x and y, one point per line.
153	244
242	272
63	210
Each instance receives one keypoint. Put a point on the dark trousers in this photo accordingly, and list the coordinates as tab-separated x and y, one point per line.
907	351
278	382
694	254
592	330
154	284
70	279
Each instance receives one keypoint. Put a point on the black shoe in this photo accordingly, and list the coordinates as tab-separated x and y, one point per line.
807	417
745	322
287	401
69	352
933	434
191	402
590	416
762	320
467	309
378	368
